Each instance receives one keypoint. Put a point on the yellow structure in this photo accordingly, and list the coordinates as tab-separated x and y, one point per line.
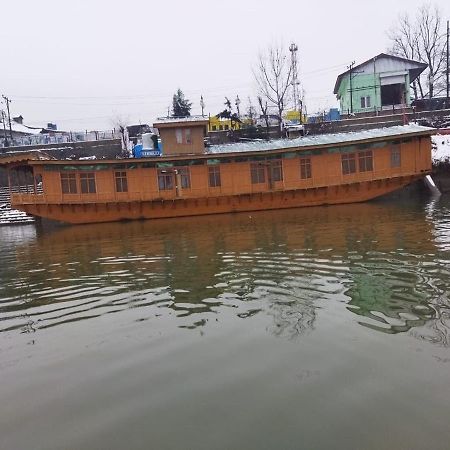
295	116
216	124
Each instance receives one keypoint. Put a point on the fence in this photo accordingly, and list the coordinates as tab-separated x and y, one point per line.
59	138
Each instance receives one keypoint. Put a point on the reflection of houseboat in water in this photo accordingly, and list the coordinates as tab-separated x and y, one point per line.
191	180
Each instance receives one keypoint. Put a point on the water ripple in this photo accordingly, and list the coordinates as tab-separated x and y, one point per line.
392	274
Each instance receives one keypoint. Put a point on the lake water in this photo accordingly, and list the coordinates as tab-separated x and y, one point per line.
315	328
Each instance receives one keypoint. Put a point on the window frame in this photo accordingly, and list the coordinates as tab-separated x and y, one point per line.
256	170
71	179
121	181
179	135
185	177
88	184
187	136
214	179
348	162
365	161
305	168
396	156
276	168
164	176
366	102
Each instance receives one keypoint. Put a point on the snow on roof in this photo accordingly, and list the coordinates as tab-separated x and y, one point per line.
20	128
164	120
322	139
414	66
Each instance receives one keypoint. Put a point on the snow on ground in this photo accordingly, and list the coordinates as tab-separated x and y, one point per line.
441	148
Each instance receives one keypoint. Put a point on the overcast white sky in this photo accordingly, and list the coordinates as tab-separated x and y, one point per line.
82	63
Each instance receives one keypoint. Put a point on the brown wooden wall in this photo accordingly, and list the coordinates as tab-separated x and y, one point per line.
236	176
171	147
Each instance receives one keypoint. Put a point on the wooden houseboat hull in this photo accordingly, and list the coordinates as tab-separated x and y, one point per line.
96	212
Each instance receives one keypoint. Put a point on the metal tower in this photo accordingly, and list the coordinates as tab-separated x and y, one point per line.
295	83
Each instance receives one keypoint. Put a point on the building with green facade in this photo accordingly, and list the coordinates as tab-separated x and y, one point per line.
382	82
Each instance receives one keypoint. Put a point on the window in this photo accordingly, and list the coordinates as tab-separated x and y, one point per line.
258	173
179	135
365	102
348	163
187	136
227	127
365	161
396	156
185	178
68	183
214	176
305	168
220	127
121	182
87	183
165	180
214	128
276	171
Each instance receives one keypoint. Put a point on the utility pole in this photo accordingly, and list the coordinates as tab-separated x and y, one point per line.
202	105
8	101
448	33
4	128
350	67
237	102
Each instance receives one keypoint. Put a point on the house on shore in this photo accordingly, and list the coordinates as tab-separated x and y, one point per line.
380	83
16	128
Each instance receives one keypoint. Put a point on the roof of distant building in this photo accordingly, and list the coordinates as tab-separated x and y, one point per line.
416	67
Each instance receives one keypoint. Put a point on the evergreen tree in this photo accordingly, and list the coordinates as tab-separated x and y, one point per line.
181	107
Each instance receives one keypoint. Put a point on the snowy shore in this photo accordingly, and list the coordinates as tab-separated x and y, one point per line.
441	148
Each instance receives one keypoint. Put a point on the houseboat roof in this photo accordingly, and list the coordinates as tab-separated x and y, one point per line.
9	158
275	146
323	139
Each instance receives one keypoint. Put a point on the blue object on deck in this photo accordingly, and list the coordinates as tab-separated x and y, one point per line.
140	152
137	151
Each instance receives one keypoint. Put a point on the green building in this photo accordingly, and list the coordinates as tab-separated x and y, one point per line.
382	82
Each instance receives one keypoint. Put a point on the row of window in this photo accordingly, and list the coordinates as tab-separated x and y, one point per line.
260	172
69	183
220	127
168	179
365	162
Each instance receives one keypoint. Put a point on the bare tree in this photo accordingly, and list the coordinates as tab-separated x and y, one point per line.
422	39
263	106
120	123
273	75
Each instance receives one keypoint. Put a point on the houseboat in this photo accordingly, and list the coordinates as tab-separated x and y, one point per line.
191	179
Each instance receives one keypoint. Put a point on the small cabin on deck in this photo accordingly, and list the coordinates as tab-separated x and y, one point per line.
182	136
